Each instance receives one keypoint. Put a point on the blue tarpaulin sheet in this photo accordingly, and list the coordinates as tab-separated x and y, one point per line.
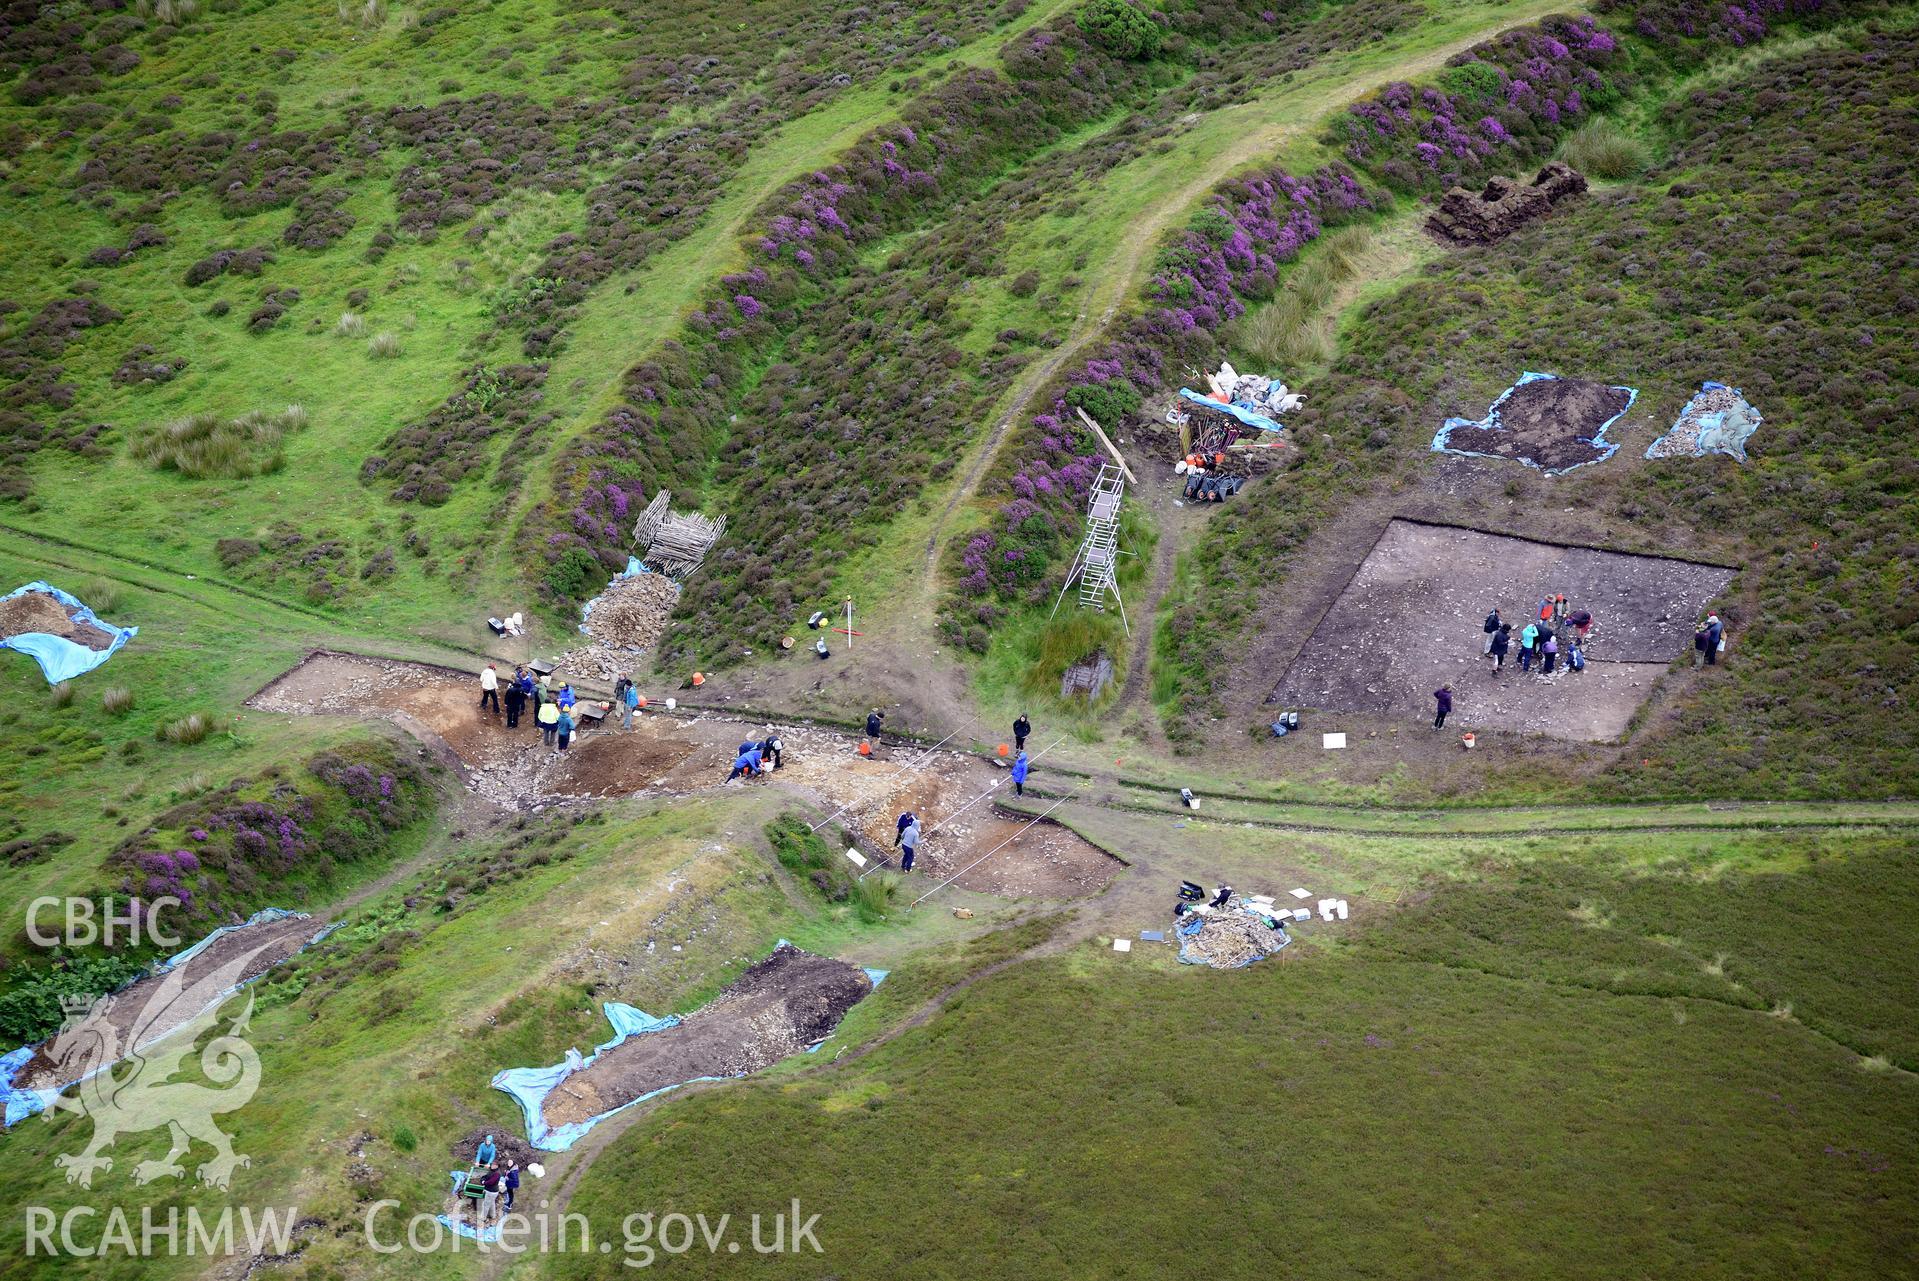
59	658
1717	420
1259	421
1193	924
529	1086
1492	422
20	1104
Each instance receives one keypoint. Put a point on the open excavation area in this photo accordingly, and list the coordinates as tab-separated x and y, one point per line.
1008	639
1411	621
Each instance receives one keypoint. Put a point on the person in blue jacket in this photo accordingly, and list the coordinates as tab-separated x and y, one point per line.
747	763
1020	766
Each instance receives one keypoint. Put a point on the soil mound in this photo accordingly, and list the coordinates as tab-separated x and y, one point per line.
1502	206
39	612
234	958
787	1002
1554	423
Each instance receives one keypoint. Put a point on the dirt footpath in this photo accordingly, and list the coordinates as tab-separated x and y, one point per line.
787	1002
1410	621
679	755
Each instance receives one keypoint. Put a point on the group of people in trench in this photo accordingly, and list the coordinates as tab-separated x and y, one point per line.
490	1185
551	703
1558	633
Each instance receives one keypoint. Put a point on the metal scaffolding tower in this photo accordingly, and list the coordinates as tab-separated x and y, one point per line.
1095	566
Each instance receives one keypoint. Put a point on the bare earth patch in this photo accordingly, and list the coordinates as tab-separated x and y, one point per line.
1409	621
682	754
1553	423
787	1002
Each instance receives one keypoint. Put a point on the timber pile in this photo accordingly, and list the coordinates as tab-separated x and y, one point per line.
675	543
632	611
1230	939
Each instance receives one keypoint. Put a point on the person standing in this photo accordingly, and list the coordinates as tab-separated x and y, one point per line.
515	703
549	721
1715	638
1020	767
1021	728
1443	696
906	820
874	719
1559	611
1527	639
524	679
490	689
564	727
490	1198
511	1184
1491	628
629	704
1500	645
1549	653
909	845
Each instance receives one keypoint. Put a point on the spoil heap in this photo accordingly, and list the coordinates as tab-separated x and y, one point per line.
1502	206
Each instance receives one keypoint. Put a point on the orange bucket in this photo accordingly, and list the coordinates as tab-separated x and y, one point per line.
1004	750
866	748
698	680
642	702
1468	741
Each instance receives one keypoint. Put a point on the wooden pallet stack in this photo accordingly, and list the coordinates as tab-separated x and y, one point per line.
675	543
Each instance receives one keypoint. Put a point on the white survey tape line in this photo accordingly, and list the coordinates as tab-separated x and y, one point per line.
969	805
911	766
996	849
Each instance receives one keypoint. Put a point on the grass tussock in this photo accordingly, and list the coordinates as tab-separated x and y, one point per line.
351	324
63	694
1295	329
1600	148
170	13
383	346
102	595
206	445
117	701
194	727
367	15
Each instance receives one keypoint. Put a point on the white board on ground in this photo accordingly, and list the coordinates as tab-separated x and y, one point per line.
859	859
1340	909
1301	893
1302	914
1122	945
1332	742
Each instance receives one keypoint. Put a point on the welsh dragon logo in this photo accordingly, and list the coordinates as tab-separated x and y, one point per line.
122	1052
